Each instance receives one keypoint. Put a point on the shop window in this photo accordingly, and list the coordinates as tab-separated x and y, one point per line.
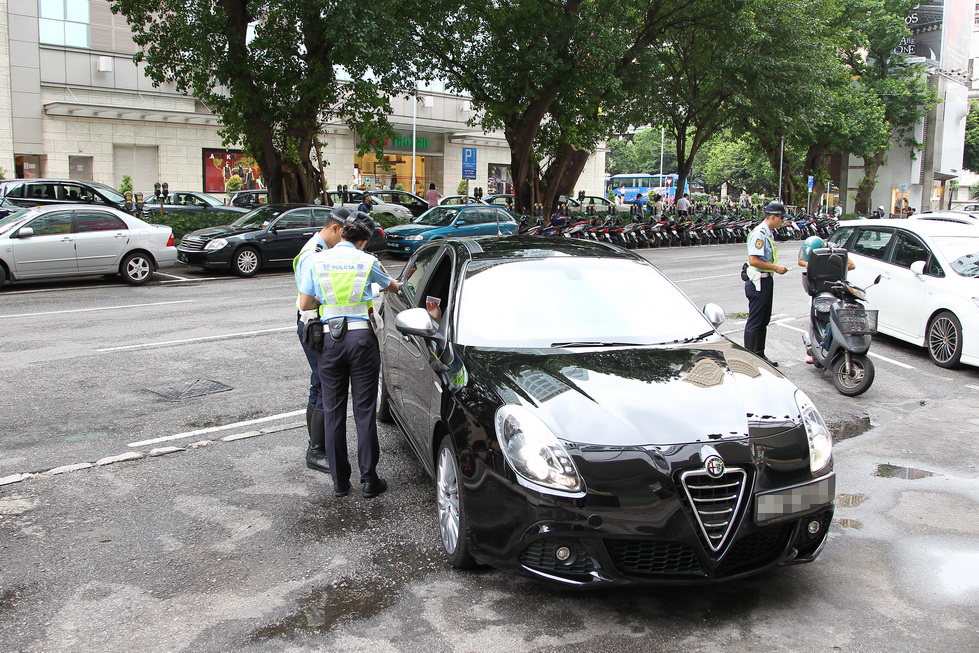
80	168
63	22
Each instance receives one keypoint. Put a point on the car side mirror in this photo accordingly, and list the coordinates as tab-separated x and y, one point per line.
417	322
460	223
715	314
25	232
918	267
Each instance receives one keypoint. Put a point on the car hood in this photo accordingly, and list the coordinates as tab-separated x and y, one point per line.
644	396
222	231
409	229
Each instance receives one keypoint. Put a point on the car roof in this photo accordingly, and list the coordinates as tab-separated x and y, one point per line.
924	227
534	247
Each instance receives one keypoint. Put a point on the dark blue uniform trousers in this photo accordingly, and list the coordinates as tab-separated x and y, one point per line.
759	304
313	358
356	360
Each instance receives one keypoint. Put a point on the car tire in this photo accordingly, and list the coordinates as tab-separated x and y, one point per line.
383	401
944	340
136	268
452	518
246	262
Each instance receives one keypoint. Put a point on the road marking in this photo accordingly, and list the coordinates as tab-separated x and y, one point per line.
974	387
782	323
103	308
213	429
719	276
166	343
173	276
181	280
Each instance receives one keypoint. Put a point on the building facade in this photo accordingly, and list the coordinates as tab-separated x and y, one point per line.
73	104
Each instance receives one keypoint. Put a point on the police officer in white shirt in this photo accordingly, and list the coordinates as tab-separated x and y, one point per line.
759	287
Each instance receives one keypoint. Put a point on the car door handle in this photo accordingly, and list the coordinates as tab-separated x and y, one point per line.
308	233
120	235
66	239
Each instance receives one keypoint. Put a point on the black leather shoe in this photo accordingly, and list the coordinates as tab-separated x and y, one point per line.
770	361
371	489
317	461
341	490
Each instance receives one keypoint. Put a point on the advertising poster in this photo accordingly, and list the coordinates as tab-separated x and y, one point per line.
925	43
221	165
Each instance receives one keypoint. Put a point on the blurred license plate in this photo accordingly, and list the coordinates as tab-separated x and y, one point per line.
782	503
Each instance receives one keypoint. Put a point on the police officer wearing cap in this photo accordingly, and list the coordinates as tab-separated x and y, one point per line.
337	285
759	287
326	238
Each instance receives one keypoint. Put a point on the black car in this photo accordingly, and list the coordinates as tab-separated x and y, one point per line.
44	192
248	199
586	424
268	236
187	202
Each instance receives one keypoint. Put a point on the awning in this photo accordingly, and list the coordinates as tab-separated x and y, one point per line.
147	114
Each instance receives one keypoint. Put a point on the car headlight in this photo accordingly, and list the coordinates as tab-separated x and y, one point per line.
535	453
215	245
414	237
820	439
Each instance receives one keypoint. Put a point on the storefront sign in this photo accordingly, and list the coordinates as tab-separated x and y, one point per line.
424	143
220	166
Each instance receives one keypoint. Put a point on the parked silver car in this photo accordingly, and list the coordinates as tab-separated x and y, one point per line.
71	240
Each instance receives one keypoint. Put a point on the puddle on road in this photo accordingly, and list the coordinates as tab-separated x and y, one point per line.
958	571
339	517
9	596
86	437
850	500
849	428
850	523
887	470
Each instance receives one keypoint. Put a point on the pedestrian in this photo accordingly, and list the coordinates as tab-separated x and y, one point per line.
432	196
759	286
366	204
659	205
638	204
683	207
337	284
838	211
325	238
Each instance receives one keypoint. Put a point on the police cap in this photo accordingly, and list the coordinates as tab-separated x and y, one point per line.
340	214
362	221
775	208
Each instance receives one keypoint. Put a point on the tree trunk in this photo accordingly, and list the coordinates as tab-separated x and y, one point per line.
870	167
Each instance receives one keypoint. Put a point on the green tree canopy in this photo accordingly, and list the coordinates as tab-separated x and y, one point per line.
971	159
269	68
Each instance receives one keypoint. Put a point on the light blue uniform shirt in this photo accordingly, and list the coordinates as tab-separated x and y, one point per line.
308	285
304	256
761	243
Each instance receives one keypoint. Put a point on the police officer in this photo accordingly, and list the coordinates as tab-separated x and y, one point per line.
337	284
759	287
327	237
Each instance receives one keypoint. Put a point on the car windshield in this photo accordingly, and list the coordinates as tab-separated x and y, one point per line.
440	216
14	219
109	192
210	201
562	300
258	217
962	254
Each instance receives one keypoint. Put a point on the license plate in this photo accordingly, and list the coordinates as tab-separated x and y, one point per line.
801	498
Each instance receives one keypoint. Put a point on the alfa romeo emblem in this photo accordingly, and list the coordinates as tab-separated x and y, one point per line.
714	466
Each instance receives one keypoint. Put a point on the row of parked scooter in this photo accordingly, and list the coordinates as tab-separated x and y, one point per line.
671	230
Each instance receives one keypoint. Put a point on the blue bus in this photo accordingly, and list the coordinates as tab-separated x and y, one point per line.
627	186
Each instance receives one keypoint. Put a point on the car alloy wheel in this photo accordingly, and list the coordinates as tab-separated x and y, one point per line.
246	262
453	526
945	340
136	269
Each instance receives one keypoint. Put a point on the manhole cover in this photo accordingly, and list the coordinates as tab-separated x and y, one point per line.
188	389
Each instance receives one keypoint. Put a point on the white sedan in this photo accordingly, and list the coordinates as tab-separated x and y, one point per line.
62	240
929	289
961	217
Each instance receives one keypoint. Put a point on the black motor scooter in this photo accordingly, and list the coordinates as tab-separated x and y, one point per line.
840	328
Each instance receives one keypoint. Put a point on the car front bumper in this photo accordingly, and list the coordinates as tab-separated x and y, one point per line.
220	259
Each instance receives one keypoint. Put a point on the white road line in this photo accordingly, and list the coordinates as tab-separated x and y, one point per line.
213	429
782	323
180	280
101	308
974	387
172	276
180	342
719	276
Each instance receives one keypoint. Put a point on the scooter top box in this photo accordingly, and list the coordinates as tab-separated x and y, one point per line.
826	266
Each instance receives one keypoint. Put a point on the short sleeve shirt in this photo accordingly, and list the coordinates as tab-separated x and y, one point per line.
308	284
761	243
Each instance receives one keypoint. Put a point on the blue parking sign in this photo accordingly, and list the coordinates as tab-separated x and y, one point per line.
469	163
811	182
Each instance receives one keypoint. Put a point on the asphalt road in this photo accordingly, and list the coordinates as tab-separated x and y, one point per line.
222	542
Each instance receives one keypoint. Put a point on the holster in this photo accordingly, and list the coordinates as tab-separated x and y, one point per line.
338	327
313	335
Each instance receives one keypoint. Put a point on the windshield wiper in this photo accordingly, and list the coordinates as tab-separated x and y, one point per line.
595	343
702	336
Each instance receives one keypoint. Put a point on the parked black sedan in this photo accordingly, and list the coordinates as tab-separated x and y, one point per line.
585	423
187	202
269	236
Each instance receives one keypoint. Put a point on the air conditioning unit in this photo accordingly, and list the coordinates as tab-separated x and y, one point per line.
103	64
466	106
427	101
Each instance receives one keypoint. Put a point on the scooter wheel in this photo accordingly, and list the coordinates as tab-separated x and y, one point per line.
858	380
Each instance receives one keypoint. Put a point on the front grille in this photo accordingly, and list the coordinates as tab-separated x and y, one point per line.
192	243
756	549
391	236
540	555
646	558
715	502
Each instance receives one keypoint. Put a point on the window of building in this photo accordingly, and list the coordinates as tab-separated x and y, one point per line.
80	168
63	22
